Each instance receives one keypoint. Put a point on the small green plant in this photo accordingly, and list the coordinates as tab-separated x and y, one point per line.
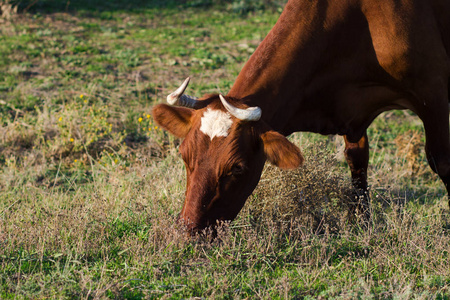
85	126
246	6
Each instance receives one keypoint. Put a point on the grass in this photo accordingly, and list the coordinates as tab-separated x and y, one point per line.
90	187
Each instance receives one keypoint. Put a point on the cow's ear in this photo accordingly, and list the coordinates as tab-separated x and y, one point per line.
280	152
176	120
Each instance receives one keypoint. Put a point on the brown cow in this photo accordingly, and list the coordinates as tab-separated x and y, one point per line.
327	66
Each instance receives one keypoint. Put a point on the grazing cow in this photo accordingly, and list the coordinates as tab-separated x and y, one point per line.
327	66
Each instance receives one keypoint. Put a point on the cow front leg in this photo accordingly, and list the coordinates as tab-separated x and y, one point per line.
357	156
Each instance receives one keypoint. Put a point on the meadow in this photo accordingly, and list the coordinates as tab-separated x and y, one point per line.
90	186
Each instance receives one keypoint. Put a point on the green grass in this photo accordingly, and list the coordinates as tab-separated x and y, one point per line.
90	187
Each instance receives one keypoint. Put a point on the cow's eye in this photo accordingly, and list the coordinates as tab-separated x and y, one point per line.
237	169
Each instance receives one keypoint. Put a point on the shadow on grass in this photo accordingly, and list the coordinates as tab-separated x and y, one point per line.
99	6
54	6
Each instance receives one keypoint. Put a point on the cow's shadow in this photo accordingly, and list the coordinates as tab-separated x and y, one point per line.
402	203
98	6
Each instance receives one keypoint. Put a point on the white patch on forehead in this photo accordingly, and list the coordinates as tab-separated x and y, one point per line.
216	123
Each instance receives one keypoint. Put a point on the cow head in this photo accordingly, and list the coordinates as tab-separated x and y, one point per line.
224	150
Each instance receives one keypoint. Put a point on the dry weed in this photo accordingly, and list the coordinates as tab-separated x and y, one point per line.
316	196
409	146
7	10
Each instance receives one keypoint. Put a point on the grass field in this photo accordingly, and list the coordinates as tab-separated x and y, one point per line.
90	187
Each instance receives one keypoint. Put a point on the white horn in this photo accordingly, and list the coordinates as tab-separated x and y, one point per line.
177	97
249	114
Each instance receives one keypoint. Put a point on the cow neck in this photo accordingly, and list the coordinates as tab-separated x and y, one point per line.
277	74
